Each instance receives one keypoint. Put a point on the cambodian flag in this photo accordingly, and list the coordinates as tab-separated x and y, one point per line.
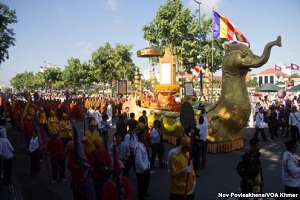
277	68
294	66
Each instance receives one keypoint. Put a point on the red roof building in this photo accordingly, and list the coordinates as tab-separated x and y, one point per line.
269	75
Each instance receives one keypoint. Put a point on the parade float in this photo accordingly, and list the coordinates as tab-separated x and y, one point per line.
227	117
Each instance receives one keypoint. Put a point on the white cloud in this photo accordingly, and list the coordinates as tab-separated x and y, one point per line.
112	4
84	47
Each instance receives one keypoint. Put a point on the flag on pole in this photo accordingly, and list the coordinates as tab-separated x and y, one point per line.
277	68
84	166
223	28
198	67
294	66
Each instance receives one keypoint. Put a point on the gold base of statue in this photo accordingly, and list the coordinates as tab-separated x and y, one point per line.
225	146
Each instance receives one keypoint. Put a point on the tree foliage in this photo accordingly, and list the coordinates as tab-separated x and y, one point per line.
73	73
23	80
111	64
176	27
252	82
7	34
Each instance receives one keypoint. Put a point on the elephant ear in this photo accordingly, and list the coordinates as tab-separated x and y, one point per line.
187	117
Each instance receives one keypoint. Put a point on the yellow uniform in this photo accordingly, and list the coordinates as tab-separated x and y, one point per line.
53	123
178	176
42	118
65	128
90	138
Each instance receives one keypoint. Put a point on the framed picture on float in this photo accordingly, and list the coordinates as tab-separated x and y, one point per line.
189	89
122	87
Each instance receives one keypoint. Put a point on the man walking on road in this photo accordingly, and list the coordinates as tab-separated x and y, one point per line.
250	170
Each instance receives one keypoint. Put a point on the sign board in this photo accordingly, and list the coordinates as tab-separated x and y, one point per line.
122	87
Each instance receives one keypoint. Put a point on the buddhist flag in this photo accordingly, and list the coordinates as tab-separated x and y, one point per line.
198	68
277	68
294	66
223	28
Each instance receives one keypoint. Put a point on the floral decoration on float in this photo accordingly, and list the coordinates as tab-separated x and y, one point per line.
169	127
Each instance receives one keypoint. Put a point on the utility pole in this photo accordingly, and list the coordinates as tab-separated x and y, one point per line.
201	72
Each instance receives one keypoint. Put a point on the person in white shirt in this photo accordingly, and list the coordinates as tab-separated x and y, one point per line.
156	145
294	120
109	113
259	124
203	128
291	169
34	152
142	164
90	114
6	155
130	140
98	117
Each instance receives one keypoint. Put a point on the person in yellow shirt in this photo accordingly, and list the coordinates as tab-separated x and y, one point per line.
43	123
179	171
65	129
90	135
53	121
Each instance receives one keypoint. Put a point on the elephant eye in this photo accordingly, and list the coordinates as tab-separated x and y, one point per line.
243	54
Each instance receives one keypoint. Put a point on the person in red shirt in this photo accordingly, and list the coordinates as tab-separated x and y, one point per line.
55	149
109	188
99	161
77	180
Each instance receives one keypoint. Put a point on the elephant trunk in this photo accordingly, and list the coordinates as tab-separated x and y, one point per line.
260	61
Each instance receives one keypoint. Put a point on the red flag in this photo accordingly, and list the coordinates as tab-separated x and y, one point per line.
294	66
277	68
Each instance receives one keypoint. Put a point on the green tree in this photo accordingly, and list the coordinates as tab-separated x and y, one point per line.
292	76
23	80
252	82
176	27
39	80
146	84
111	64
7	34
73	73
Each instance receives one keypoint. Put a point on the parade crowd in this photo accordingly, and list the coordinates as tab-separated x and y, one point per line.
101	168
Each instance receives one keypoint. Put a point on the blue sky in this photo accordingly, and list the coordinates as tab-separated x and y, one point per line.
54	31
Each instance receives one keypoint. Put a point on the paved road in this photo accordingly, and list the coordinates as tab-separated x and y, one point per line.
218	177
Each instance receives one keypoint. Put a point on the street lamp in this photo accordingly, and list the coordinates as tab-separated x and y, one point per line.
201	73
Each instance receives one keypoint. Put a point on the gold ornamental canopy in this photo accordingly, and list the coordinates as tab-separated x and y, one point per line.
148	52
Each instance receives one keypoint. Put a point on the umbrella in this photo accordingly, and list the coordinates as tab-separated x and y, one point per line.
268	87
257	95
280	84
294	89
